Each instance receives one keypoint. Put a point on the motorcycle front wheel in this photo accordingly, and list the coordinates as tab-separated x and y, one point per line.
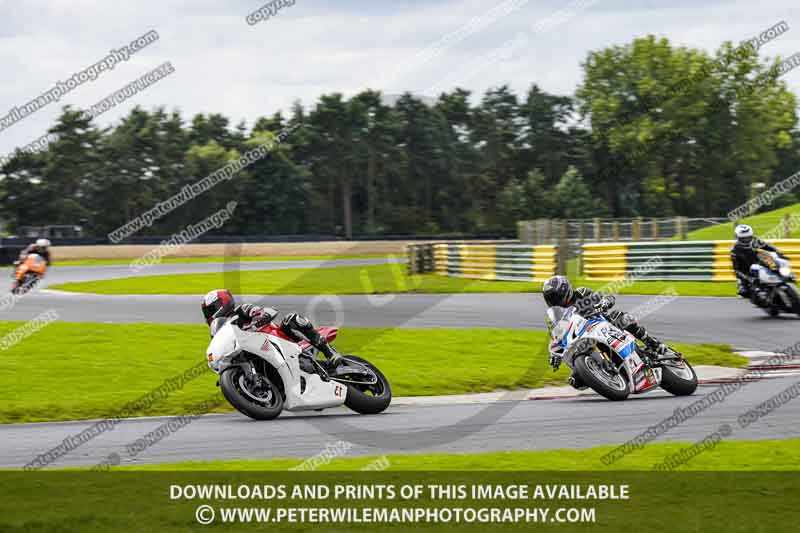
25	284
794	296
259	398
611	386
30	281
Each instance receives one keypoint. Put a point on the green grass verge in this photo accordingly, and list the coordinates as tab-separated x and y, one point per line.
757	455
220	259
69	371
372	279
762	223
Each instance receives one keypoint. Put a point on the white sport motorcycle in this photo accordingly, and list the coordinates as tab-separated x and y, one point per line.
609	360
775	288
262	372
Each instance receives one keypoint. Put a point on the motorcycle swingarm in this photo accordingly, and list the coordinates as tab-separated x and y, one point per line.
324	375
310	365
663	360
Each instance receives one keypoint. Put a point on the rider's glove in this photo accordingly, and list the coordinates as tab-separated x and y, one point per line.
270	312
607	302
248	310
261	320
598	309
658	347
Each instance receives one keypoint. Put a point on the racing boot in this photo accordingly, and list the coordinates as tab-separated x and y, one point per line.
304	326
333	357
760	298
743	288
576	382
655	346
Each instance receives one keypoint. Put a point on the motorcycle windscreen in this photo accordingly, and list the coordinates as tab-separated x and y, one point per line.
222	344
556	319
768	259
217	324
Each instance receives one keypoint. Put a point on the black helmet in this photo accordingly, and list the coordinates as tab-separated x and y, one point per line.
217	304
557	291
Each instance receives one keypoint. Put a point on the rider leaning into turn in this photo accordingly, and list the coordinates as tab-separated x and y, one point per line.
558	291
220	303
744	255
40	247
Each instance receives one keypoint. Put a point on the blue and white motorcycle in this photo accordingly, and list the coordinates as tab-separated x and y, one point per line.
609	360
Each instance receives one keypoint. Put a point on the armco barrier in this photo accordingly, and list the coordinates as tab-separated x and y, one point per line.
679	260
511	262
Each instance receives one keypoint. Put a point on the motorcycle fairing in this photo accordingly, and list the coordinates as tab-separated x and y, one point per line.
303	390
765	275
33	263
575	332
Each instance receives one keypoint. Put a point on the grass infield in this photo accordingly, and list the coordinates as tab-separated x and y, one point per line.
762	223
219	259
373	279
69	371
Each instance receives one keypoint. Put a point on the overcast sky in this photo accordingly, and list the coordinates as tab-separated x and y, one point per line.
223	64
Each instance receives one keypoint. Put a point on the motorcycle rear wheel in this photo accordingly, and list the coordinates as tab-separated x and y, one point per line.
372	399
613	387
235	389
679	381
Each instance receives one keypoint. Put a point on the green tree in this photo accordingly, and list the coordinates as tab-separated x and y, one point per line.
571	197
678	123
72	164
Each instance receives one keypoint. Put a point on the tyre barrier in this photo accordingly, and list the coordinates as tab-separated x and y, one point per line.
509	262
671	260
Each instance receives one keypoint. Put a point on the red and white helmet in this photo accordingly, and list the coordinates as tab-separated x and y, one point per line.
218	303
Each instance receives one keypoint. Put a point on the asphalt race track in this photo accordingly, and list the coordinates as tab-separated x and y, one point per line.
698	320
506	425
522	425
722	320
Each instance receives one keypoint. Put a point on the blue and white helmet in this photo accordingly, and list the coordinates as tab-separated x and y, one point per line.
744	233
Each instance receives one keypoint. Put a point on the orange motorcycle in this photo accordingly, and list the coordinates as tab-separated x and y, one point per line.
28	273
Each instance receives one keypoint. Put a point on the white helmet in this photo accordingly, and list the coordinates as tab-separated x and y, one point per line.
744	233
42	243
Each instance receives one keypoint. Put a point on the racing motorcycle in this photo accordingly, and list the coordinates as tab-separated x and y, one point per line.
28	273
262	372
610	361
774	288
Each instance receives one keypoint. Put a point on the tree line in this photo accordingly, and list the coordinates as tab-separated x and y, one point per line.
625	144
